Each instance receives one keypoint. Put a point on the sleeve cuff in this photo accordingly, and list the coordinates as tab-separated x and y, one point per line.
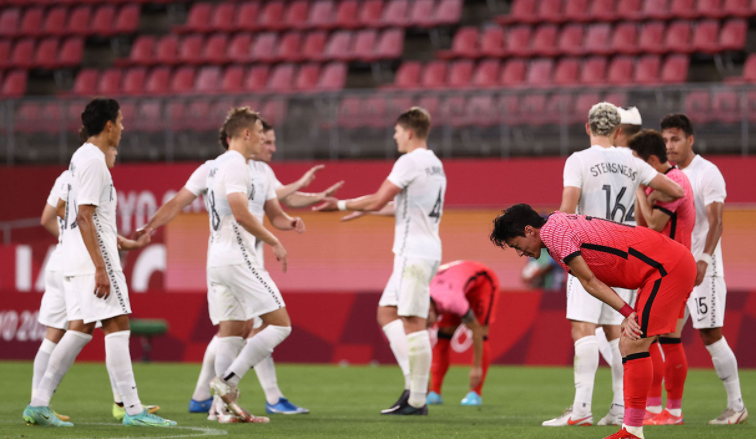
573	184
665	210
571	256
85	202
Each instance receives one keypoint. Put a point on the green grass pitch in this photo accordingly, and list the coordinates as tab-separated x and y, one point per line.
345	402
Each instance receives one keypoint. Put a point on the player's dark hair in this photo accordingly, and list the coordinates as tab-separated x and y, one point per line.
677	120
266	125
630	130
416	119
83	134
647	143
237	119
97	113
512	222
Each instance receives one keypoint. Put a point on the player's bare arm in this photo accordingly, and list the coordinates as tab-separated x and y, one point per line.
49	220
133	244
280	219
654	219
366	203
478	334
579	268
240	208
167	212
570	199
388	210
85	221
714	217
667	187
304	181
304	199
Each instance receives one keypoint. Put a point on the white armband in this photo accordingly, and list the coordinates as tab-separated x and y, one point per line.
705	257
342	204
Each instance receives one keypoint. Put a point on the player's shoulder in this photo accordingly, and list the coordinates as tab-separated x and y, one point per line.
707	165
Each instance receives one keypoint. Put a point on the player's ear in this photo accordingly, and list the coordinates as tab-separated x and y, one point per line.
588	129
691	139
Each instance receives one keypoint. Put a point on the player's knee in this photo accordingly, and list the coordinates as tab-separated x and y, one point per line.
281	332
710	336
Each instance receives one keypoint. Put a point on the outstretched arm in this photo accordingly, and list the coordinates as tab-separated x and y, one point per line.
387	210
168	211
304	199
366	203
304	181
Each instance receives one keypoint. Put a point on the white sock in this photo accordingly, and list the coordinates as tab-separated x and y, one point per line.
420	356
116	394
118	361
655	409
605	349
586	364
202	390
266	374
40	363
726	366
60	361
618	372
257	349
675	412
226	352
398	341
638	431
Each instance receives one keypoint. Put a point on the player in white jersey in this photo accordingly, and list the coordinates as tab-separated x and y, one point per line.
417	185
95	288
601	181
706	304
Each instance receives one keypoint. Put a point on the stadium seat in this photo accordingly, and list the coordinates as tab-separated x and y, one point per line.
513	73
233	80
208	80
620	71
321	15
371	13
656	10
257	79
522	11
5	54
464	44
71	52
23	54
396	14
685	9
460	74
198	19
363	47
594	71
190	49
698	106
272	16
550	11
408	75
651	38
55	21
678	37
575	11
314	45
647	70
282	78
598	39
518	41
288	48
127	20
705	37
339	46
31	23
223	18
448	13
215	49
545	41
486	74
167	50
582	105
239	48
333	77
296	15
158	80
264	47
103	21
247	16
134	81
9	20
183	80
725	107
149	116
110	82
142	52
711	9
571	40
390	45
625	38
629	10
481	111
492	42
738	8
602	10
566	72
85	83
675	69
434	75
617	98
78	21
558	109
46	53
749	70
347	12
422	13
532	109
539	73
733	35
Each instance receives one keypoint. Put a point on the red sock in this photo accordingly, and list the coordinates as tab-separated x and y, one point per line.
440	363
676	370
639	372
655	394
486	363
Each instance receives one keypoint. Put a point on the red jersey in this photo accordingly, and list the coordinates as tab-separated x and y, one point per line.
620	255
682	212
460	285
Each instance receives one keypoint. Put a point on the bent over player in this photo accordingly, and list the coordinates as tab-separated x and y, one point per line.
462	292
602	254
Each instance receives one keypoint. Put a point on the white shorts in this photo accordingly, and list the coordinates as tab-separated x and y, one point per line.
241	292
408	288
84	305
706	303
583	307
52	310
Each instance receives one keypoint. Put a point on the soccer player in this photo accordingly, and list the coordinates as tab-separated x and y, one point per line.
674	219
601	182
602	254
630	125
94	284
707	301
463	292
417	185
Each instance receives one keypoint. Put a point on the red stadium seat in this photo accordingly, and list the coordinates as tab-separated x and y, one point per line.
321	15
675	69
603	10
582	106
647	70
364	45
215	49
656	10
532	110
464	44
408	75
339	46
705	37
5	54
9	20
239	48
247	15
460	74
733	35
629	10
652	38
47	50
31	24
390	44
272	16
208	79
678	37
333	77
551	11
619	99
594	71
158	80
558	108
347	14
597	39
566	72
224	17
545	41
434	75
15	84
102	21
539	73
282	78
396	14
625	38
142	52
711	9
288	48
571	40
257	79
149	116
738	8
127	20
448	13
725	107
620	70
576	11
492	42
307	77
296	15
264	47
314	45
522	11
55	21
71	52
481	111
233	80
422	13
486	74
518	41
78	21
749	69
698	106
134	81
23	54
183	80
513	73
86	83
683	9
198	19
110	82
190	50
371	13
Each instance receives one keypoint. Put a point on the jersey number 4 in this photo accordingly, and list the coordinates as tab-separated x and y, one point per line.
625	213
436	211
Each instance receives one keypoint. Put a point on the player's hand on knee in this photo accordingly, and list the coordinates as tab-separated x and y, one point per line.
701	267
630	327
102	284
281	255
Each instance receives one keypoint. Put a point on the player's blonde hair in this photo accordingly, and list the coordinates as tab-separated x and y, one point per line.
237	119
603	118
416	119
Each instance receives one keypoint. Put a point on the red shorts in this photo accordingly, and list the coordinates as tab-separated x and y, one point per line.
482	303
661	300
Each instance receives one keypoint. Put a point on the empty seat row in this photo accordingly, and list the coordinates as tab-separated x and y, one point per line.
621	70
599	39
283	78
321	14
367	45
13	83
106	20
569	11
49	53
723	106
26	3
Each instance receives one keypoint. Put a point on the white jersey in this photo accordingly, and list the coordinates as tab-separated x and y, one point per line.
230	243
608	179
90	184
58	191
263	189
197	183
708	187
420	204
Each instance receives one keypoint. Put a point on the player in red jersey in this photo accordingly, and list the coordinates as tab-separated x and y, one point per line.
674	219
462	292
602	254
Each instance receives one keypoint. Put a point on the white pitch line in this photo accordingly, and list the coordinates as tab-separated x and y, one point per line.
199	431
